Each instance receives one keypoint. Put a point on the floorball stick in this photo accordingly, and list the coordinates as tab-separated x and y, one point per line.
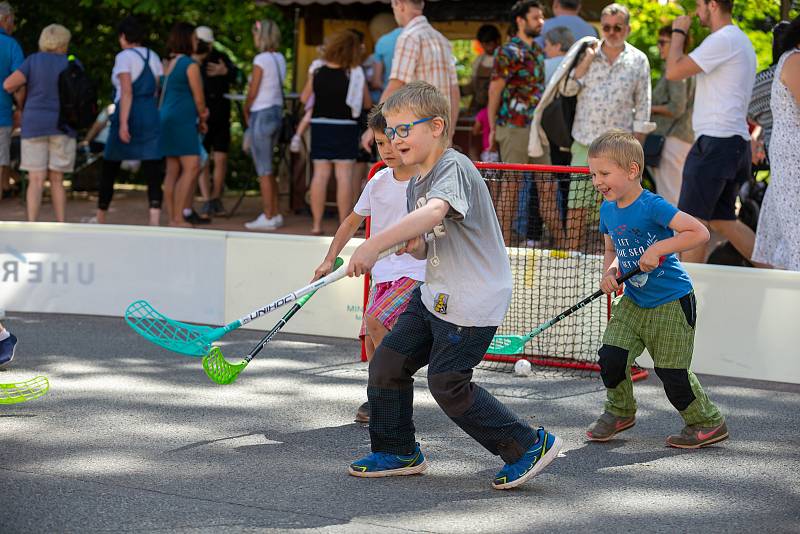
24	391
221	371
195	340
510	344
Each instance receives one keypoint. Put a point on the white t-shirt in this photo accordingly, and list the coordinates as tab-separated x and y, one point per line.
725	85
129	61
384	199
269	91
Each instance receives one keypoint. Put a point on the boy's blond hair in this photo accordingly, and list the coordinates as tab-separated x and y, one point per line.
620	147
423	100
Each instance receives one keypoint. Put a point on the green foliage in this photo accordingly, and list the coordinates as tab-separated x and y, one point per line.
755	17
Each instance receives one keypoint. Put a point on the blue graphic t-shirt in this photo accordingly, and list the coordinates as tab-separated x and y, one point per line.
635	228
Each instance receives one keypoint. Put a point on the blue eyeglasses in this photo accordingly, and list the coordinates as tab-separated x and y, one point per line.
402	130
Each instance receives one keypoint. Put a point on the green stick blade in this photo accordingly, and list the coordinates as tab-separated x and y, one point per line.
219	370
507	344
24	391
155	327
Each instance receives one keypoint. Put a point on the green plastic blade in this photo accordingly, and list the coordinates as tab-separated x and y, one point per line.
219	370
24	391
507	344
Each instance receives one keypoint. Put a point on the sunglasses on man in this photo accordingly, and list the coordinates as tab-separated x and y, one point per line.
616	28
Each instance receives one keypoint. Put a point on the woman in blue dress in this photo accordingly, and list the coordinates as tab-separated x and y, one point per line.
135	124
183	113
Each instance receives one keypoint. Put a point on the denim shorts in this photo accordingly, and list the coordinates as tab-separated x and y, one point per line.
265	127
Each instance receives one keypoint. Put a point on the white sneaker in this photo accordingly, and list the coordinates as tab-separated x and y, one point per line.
261	223
276	221
296	145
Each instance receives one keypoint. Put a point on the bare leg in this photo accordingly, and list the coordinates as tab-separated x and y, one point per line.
376	332
203	181
319	190
740	235
190	168
33	196
220	171
548	204
59	195
359	175
170	179
507	208
184	188
576	227
344	190
269	195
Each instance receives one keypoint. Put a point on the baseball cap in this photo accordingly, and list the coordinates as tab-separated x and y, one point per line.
204	33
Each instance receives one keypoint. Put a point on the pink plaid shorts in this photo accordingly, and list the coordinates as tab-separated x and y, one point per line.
387	300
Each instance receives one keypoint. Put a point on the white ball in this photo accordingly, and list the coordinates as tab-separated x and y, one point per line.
522	368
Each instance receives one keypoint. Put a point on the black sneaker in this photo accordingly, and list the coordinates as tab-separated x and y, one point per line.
217	208
194	218
207	209
362	415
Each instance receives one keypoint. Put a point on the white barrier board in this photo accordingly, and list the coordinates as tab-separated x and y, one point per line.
262	268
99	270
748	319
748	323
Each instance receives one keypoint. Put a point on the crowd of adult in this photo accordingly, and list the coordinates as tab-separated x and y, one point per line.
703	124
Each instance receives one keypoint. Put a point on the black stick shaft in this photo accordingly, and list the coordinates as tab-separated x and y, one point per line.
569	311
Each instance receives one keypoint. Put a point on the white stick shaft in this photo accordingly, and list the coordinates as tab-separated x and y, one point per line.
313	286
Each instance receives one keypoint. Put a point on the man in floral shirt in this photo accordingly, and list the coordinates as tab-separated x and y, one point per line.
516	87
612	82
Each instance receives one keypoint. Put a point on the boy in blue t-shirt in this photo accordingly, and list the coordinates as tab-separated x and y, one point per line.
658	309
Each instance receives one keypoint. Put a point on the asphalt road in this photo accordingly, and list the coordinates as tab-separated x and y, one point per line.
132	438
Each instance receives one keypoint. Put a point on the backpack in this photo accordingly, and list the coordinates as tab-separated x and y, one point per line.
77	94
558	116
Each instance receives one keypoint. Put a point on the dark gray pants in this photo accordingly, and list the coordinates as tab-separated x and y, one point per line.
450	351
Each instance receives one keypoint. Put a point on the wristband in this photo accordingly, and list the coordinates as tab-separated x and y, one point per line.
678	30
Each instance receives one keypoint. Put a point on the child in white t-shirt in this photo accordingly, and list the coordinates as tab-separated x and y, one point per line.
395	277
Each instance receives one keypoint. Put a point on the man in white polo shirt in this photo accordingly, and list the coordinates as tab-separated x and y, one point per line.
719	161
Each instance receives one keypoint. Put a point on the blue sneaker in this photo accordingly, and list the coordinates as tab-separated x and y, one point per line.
382	464
7	348
544	451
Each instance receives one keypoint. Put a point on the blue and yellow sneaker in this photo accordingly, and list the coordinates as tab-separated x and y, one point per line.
382	464
544	451
8	347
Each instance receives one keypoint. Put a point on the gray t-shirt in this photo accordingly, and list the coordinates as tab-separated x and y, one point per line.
468	274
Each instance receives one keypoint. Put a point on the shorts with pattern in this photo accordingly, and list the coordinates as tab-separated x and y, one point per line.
387	300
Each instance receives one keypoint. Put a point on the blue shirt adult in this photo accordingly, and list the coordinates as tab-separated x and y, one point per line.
11	58
40	117
579	27
633	229
384	51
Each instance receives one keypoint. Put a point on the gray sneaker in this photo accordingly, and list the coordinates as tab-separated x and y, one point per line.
696	436
362	415
608	426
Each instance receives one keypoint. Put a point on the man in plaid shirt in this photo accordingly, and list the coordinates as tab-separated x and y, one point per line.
421	54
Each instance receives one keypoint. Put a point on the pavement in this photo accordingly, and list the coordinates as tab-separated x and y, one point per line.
133	438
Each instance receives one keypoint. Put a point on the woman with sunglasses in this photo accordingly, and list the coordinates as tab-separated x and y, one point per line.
612	83
672	113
